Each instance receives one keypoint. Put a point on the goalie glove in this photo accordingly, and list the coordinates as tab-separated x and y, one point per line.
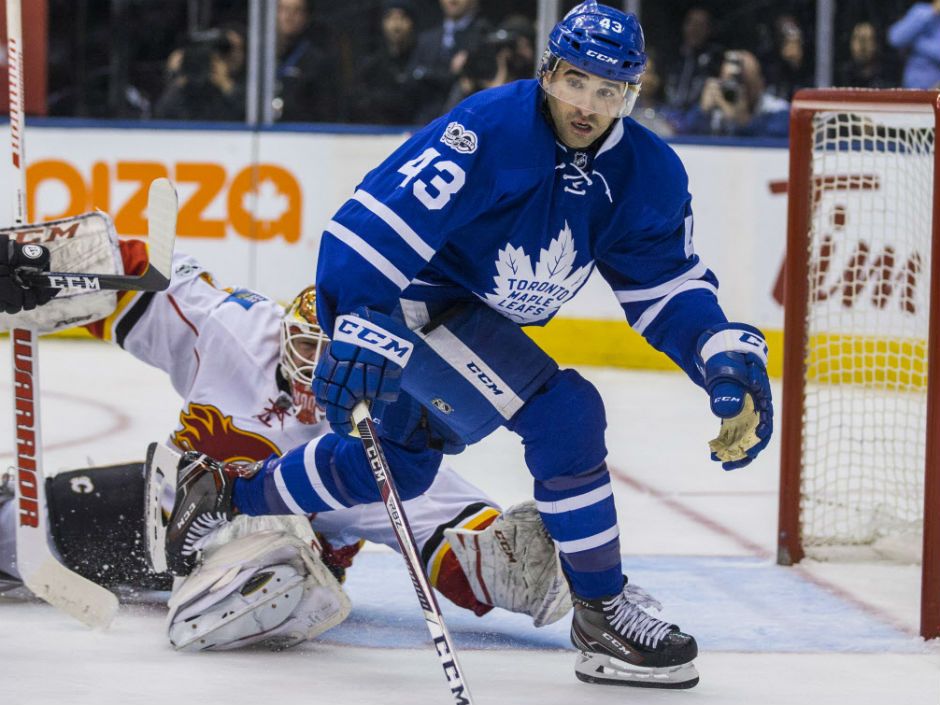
732	358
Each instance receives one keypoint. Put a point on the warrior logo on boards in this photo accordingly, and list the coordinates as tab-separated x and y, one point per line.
527	294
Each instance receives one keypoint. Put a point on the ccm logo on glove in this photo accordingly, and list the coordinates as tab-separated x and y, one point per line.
756	341
362	333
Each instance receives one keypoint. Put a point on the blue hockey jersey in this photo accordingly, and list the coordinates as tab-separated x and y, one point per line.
484	203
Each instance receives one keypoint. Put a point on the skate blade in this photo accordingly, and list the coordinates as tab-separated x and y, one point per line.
605	670
161	471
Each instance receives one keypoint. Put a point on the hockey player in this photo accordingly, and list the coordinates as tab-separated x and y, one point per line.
487	220
205	337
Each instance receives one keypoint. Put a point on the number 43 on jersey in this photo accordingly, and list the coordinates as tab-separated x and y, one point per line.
446	181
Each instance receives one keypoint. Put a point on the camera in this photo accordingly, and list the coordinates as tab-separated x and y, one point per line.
732	70
212	39
481	60
198	53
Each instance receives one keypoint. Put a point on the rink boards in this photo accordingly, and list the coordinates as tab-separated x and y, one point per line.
253	205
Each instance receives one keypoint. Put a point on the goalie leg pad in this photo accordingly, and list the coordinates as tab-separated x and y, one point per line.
513	564
262	581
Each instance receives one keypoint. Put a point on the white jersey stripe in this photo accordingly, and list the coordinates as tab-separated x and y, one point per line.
649	315
313	475
462	359
285	494
368	253
589	542
629	296
415	312
395	222
580	501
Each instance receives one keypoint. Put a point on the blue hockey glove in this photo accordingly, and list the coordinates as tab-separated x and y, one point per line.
364	361
732	358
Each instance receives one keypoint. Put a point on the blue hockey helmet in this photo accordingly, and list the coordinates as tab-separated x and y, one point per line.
601	41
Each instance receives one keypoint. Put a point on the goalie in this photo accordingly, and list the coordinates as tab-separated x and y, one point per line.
243	366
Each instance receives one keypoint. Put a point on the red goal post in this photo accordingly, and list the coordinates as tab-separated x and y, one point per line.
860	419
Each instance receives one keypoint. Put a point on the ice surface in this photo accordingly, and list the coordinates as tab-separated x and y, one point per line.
698	538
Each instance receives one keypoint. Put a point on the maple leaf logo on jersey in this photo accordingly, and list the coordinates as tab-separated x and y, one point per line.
205	429
526	294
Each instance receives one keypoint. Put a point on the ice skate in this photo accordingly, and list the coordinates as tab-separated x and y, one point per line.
621	644
188	496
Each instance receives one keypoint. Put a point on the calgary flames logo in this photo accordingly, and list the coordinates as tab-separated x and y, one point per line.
205	429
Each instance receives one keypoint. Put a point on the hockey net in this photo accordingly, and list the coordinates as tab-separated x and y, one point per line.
857	402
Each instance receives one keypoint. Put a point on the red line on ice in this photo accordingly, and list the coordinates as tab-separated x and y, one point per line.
755	549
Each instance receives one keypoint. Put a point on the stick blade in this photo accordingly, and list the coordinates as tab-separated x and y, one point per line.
162	207
75	595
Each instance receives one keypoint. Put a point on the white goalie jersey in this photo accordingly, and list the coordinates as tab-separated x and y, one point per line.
220	348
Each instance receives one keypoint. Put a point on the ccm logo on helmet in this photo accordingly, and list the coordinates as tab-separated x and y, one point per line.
358	331
601	57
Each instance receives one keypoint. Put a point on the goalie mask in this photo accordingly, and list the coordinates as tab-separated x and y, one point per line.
302	341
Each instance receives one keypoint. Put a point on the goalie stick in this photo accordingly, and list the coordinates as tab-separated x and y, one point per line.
443	644
161	235
40	568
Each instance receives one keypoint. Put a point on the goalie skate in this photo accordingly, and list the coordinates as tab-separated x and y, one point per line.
621	644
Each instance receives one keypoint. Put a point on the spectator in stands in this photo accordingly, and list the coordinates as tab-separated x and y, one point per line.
735	103
522	61
488	65
918	35
380	93
199	86
787	69
441	54
235	53
648	110
868	66
306	86
698	59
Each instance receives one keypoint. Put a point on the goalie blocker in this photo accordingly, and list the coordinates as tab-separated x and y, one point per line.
261	581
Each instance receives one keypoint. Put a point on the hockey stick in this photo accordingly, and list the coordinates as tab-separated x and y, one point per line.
39	568
409	551
161	226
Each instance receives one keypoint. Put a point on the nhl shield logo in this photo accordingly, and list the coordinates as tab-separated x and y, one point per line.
442	405
457	137
580	160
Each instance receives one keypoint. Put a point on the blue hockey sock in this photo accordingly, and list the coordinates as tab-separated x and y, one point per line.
579	513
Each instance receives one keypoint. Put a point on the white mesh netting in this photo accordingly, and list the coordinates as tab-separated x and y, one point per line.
866	362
